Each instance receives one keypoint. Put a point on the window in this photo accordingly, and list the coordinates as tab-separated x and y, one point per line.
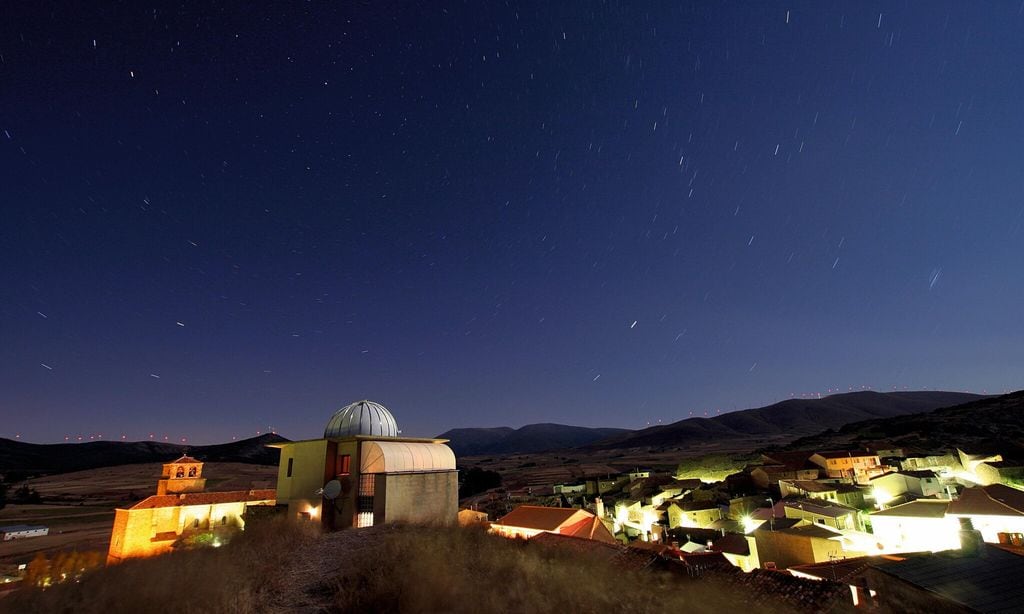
290	462
343	465
224	520
191	472
366	484
180	473
364	501
195	523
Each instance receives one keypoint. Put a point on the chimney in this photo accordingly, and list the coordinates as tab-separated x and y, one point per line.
599	505
971	542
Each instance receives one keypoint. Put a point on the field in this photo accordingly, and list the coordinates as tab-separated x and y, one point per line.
547	468
79	507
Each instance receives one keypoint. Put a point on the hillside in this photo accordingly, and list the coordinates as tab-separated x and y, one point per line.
791	418
277	566
988	424
44	459
527	439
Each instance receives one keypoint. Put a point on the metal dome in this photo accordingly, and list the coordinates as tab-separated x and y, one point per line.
362	418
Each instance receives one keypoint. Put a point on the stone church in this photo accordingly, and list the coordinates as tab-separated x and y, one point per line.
181	510
362	472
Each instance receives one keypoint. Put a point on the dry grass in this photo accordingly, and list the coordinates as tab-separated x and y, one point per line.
239	577
282	567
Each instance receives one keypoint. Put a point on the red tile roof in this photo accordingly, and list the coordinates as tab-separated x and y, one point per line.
205	498
537	517
992	500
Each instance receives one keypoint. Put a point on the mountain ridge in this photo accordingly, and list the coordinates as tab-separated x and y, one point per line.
526	439
46	459
792	418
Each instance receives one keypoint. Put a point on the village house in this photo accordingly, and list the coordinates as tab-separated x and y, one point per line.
823	513
22	531
599	485
997	511
471	517
921	483
970	460
527	521
1000	472
846	494
738	549
782	466
697	514
972	579
854	465
183	512
920	525
796	542
944	463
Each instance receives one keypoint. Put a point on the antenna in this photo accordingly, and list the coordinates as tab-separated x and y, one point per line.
331	490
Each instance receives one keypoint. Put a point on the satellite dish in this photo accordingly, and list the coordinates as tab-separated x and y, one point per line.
332	489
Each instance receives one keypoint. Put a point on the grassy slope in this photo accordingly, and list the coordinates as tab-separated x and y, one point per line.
280	567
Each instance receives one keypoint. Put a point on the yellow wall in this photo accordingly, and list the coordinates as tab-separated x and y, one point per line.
299	490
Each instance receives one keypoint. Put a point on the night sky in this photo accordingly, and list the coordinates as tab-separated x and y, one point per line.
222	219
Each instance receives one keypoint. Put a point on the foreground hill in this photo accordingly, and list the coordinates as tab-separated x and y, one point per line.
991	424
791	418
287	567
530	438
45	459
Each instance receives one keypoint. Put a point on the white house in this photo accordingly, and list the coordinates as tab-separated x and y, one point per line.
922	483
21	531
995	510
917	526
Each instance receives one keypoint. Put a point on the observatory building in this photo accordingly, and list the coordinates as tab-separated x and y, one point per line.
362	473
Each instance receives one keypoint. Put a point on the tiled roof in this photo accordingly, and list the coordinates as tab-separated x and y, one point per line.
845	454
13	528
732	543
812	531
921	508
812	486
778	524
727	524
992	500
184	460
205	498
799	594
987	583
589	528
628	558
847	571
817	506
538	517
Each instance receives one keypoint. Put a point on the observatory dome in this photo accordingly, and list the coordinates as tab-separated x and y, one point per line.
362	418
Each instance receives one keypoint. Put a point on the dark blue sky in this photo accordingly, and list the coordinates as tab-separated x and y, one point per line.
217	220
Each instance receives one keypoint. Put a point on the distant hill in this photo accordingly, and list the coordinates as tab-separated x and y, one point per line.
530	438
991	424
40	459
791	418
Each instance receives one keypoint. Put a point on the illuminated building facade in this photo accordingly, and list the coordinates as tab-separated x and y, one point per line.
363	473
179	512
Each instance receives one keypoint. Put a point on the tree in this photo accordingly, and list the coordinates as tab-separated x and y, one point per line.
38	571
477	480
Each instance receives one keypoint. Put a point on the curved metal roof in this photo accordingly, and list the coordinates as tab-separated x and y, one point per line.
404	456
362	418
